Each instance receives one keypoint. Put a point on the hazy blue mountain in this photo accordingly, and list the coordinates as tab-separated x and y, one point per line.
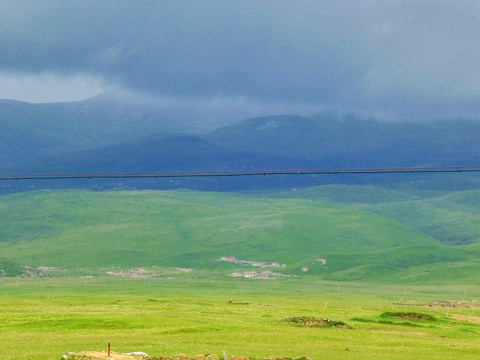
350	142
32	130
110	135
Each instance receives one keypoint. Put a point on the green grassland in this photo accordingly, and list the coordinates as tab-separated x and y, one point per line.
395	277
43	318
92	232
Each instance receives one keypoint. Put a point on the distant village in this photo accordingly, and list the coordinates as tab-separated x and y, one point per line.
233	259
170	273
137	272
147	274
41	271
264	275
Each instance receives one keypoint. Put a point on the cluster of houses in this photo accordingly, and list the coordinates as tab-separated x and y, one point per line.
137	273
146	274
261	274
264	275
41	271
233	259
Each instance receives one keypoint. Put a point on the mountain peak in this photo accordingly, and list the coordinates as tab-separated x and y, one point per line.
278	121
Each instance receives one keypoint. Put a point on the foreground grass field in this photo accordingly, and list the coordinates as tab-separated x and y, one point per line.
43	318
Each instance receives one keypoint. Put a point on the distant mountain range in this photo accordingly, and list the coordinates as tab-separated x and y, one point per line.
114	135
393	231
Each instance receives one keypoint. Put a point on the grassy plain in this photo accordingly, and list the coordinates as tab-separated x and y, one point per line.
43	318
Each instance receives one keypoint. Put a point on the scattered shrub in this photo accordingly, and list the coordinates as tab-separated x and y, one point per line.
408	316
314	322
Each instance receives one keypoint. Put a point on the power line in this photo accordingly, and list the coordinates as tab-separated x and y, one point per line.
196	174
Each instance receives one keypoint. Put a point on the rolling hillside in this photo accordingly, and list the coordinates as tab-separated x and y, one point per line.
451	217
83	232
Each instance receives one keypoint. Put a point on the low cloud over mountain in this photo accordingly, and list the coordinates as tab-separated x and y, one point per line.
396	58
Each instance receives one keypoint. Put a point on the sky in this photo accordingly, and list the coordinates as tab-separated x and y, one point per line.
403	59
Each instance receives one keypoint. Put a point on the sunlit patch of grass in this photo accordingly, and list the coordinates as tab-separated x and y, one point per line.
42	319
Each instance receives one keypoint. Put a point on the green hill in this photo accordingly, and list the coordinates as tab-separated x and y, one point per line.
444	218
82	231
450	217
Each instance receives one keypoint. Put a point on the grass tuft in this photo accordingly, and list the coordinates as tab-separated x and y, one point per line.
314	322
408	316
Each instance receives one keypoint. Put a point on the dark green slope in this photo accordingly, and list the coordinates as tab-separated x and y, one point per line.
453	218
349	194
450	217
91	231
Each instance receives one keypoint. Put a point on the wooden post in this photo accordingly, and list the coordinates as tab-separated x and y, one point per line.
108	350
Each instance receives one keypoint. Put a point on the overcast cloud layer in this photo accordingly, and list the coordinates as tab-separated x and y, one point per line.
399	58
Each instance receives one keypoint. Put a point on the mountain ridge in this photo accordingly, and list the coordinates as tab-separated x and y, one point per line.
85	138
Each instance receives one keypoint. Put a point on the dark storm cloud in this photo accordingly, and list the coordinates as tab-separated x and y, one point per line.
398	57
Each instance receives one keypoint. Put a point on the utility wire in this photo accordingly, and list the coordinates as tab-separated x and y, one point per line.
196	174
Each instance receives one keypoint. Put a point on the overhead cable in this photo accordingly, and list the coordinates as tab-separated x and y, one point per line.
226	173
